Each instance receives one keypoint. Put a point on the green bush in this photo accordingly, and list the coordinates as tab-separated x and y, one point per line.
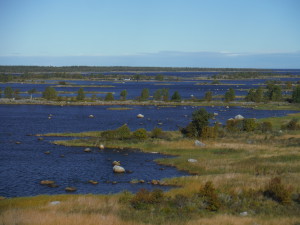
140	134
123	132
234	125
249	125
277	191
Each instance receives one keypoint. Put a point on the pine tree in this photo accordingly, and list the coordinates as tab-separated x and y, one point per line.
123	95
50	93
80	95
296	95
109	97
145	94
176	96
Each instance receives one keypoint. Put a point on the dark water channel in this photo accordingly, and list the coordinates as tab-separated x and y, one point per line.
24	165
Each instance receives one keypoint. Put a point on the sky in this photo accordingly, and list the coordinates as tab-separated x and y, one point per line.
175	33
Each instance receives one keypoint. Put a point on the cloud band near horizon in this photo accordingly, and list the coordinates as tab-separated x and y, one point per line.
290	60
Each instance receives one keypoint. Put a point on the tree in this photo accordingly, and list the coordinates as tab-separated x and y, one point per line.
17	94
274	92
0	92
176	97
31	92
208	96
200	120
250	97
254	95
140	134
259	95
296	95
50	93
229	95
159	77
109	97
80	95
123	95
161	94
8	92
145	94
137	77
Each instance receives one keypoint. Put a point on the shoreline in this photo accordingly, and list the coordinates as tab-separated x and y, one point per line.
258	106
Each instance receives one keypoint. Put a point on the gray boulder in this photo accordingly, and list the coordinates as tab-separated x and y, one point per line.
199	143
118	169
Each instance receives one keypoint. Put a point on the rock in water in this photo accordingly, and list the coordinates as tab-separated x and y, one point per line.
199	143
239	117
101	146
47	182
118	169
93	182
140	116
87	150
70	189
116	163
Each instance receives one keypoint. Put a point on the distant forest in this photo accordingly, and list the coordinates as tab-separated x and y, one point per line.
102	69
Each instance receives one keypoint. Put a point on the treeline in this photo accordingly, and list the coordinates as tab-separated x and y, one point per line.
74	69
248	74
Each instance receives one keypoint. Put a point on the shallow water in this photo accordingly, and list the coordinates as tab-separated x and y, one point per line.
23	166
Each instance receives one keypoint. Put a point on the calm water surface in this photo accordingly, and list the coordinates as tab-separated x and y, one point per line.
23	166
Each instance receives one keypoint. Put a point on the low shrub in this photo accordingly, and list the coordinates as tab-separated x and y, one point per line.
211	200
265	127
123	132
144	198
140	134
277	191
291	125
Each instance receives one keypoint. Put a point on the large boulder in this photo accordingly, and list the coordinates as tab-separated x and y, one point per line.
199	143
239	117
118	169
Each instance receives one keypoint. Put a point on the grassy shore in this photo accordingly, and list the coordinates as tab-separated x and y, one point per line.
259	106
240	166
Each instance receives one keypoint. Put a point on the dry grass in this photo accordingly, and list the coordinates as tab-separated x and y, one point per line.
78	210
238	220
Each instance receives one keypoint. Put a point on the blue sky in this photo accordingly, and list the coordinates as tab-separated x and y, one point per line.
193	33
